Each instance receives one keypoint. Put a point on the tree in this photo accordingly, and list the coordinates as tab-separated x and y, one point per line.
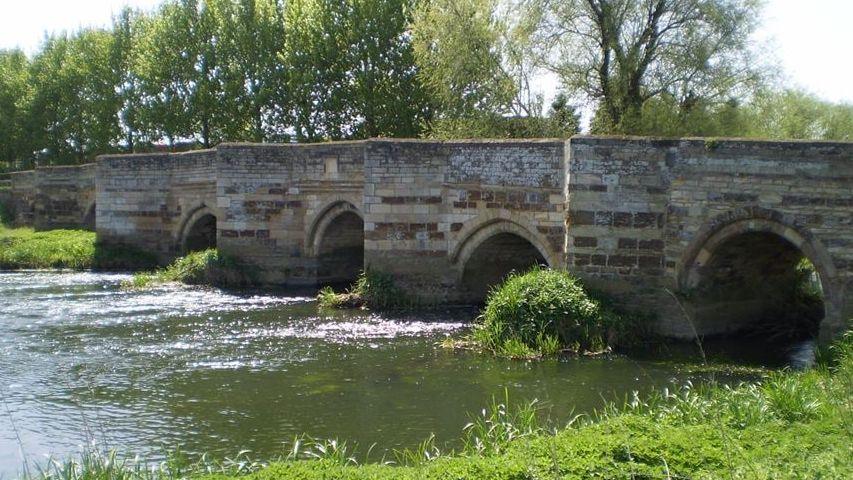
127	31
622	53
74	104
15	142
387	95
798	114
250	39
457	48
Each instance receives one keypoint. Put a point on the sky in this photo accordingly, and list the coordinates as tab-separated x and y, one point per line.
812	39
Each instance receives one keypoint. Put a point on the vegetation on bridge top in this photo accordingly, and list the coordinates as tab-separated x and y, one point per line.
789	425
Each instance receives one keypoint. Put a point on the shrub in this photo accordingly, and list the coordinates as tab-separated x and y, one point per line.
544	311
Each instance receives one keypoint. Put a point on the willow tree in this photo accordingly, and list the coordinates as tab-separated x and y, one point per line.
621	53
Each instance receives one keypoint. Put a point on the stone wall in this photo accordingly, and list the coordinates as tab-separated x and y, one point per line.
277	200
146	200
54	197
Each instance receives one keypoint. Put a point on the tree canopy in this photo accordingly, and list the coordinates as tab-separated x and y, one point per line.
193	73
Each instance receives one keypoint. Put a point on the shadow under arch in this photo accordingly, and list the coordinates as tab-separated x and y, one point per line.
742	267
491	250
198	231
336	240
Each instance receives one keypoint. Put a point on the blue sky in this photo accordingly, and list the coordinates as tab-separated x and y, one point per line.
812	39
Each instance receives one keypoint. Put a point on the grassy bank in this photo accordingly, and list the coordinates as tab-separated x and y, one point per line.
790	425
207	267
25	248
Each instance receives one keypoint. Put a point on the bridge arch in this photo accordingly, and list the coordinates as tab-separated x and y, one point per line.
744	267
198	230
336	240
491	249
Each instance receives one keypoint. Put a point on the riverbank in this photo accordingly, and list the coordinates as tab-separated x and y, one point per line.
24	248
790	425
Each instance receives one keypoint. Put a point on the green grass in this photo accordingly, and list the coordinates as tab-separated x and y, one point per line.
25	248
544	312
207	267
372	290
789	425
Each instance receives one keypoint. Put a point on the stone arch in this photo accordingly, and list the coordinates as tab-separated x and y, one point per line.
336	240
89	218
492	249
761	235
198	230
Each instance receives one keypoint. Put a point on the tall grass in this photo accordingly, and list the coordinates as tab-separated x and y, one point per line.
22	248
25	248
373	290
207	267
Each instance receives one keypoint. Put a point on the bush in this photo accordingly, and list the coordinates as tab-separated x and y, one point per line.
544	311
373	289
207	267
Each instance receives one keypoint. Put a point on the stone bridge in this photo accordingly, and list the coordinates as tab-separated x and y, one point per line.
719	222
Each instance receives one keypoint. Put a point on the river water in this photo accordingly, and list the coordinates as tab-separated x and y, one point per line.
202	370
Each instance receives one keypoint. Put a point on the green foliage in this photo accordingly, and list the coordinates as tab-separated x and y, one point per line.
24	248
499	425
632	52
544	311
15	91
207	267
456	44
373	289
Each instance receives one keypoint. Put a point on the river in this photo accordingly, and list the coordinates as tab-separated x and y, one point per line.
202	370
